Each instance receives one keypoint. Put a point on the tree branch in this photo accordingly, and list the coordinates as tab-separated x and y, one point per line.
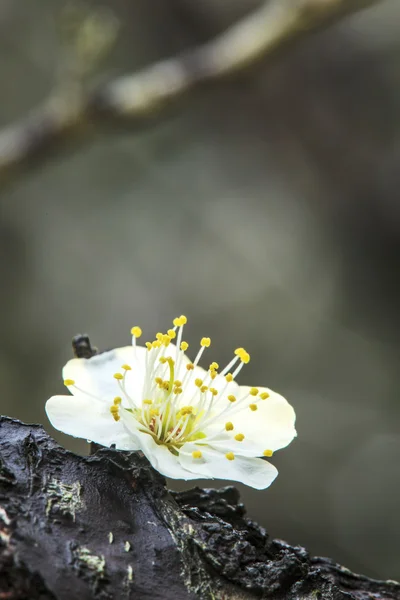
104	526
142	95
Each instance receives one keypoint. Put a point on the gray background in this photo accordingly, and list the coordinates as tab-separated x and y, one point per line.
266	209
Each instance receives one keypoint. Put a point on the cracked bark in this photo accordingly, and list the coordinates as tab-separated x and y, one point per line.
105	526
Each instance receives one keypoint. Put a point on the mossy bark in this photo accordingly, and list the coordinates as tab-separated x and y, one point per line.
106	527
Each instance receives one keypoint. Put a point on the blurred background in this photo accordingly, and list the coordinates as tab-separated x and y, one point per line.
266	209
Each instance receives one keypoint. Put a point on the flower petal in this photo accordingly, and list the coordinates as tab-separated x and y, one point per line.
91	419
94	376
255	472
270	427
158	455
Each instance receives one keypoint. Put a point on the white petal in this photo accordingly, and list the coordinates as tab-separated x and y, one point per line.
158	455
89	419
254	472
95	376
270	427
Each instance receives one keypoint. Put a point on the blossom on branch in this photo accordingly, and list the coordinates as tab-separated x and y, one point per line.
191	423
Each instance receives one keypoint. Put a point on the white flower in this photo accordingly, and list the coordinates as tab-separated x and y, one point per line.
189	422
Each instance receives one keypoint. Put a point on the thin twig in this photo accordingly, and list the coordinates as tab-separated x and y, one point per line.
144	94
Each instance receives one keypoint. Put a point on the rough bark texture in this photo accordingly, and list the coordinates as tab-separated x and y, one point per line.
105	526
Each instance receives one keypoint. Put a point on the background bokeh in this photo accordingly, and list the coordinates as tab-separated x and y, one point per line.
267	210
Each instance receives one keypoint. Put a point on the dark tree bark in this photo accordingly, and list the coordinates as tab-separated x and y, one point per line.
105	526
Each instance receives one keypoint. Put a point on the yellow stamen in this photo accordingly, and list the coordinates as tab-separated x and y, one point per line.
213	374
184	346
147	401
148	345
158	380
253	392
253	406
171	334
229	377
239	437
154	412
197	454
264	395
179	321
156	344
159	336
190	366
213	391
268	453
162	360
69	382
230	456
243	355
198	382
118	376
205	342
214	366
178	383
136	332
126	367
117	400
231	398
203	388
186	410
229	426
178	390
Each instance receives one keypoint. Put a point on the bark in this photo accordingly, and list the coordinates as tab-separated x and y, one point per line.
105	526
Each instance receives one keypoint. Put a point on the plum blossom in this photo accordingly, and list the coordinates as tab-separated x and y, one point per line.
190	422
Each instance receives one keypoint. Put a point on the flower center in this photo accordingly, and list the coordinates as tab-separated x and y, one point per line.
176	411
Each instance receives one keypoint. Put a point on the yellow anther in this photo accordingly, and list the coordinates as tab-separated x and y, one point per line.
198	382
230	456
118	376
147	401
156	344
69	382
232	398
213	391
245	358
214	365
158	380
117	400
166	340
178	383
148	345
190	367
196	454
264	395
154	412
205	342
184	346
229	377
267	453
243	355
228	426
239	437
126	368
171	334
178	390
114	412
253	392
186	410
213	374
159	336
165	385
136	332
253	406
203	388
171	361
163	360
179	321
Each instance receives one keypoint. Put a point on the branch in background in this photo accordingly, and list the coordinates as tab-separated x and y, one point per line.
105	527
71	111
